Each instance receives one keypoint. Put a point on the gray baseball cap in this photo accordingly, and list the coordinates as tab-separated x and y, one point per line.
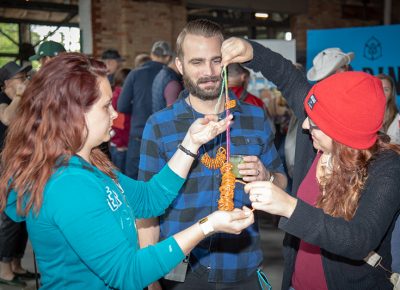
161	48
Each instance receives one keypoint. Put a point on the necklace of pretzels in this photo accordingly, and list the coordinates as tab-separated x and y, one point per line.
222	159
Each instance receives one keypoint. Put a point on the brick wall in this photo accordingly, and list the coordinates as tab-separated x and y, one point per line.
322	14
132	27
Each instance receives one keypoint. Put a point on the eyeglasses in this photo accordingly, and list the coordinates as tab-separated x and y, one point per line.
312	125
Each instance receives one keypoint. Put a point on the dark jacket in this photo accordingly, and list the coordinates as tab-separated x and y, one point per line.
136	97
162	79
343	244
136	100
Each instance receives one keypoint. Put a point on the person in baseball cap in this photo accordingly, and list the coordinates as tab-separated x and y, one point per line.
11	69
47	50
161	48
161	51
328	62
112	60
12	79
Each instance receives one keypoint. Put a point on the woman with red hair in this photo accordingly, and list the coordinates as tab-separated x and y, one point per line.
80	211
346	177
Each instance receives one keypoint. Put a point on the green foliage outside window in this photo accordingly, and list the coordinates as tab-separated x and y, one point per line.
6	45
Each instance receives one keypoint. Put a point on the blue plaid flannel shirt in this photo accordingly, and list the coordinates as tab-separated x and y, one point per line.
228	257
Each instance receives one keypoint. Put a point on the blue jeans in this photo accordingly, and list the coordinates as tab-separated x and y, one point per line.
118	158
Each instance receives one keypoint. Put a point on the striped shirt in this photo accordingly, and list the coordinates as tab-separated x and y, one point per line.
227	257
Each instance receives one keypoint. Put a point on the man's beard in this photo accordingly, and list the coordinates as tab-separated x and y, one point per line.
205	95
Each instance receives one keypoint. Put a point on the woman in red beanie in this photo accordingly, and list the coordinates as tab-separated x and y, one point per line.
346	195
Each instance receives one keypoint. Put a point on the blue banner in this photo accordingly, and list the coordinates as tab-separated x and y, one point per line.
376	48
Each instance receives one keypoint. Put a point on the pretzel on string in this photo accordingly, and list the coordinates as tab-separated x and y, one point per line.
227	188
214	163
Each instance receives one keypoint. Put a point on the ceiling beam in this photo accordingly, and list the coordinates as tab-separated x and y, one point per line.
39	5
282	6
242	21
37	22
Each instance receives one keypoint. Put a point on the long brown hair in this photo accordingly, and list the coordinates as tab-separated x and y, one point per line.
391	109
343	186
50	127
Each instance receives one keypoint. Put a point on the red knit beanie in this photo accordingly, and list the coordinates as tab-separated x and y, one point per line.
348	107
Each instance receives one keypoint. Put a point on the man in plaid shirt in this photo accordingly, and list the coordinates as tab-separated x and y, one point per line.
223	261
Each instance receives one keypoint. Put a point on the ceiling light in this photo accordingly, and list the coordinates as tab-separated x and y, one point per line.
261	15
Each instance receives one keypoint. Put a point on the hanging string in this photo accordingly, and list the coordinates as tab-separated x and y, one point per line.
220	158
227	187
228	135
221	93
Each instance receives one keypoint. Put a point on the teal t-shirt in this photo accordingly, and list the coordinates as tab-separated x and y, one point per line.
84	235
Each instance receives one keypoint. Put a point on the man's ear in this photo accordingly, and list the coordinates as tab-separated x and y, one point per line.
179	65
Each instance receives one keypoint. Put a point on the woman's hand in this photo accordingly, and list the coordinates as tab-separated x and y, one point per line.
232	222
270	198
203	130
236	50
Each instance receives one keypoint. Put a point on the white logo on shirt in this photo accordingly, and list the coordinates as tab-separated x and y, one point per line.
112	199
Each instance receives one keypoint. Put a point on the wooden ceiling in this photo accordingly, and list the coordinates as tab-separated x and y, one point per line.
50	12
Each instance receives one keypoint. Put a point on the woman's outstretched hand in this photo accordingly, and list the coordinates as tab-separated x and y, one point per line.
205	129
266	196
201	131
232	222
